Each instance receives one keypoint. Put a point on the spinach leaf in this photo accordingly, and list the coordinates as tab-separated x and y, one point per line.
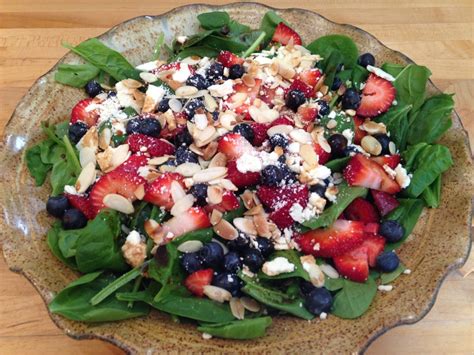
62	174
359	76
337	165
68	241
392	68
397	123
346	195
343	122
73	301
293	257
432	121
387	277
354	298
432	194
158	45
106	59
333	284
411	84
77	75
37	168
52	239
325	45
213	20
192	40
200	51
235	44
330	66
268	24
238	329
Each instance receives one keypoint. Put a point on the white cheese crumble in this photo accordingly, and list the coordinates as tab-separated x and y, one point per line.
220	90
134	238
380	73
182	74
71	190
392	173
348	134
385	288
155	92
300	214
147	66
206	336
407	271
294	148
181	39
332	114
323	315
402	178
320	172
277	266
249	163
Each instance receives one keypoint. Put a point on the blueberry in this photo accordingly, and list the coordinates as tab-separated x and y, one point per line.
57	205
245	131
324	108
338	145
236	71
287	175
319	189
74	219
349	150
271	175
93	88
76	131
133	126
387	261
184	155
265	246
318	301
199	191
294	99
366	59
215	71
150	127
350	99
171	162
198	81
164	106
232	262
211	255
238	244
183	138
384	141
278	140
228	281
253	259
392	231
111	94
191	262
336	84
306	287
192	106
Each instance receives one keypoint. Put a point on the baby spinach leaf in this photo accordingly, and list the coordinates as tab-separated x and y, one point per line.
396	121
192	40
410	156
392	68
411	84
387	277
238	329
52	239
213	20
432	194
343	122
158	46
37	168
354	298
337	165
200	51
68	241
325	45
77	75
268	24
359	76
330	64
333	284
61	175
293	257
346	195
236	44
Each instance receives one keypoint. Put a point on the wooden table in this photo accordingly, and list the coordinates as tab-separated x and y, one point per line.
436	33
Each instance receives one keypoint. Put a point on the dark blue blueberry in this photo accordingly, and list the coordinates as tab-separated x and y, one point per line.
324	108
199	191
238	244
211	255
215	115
338	145
271	175
245	131
164	106
215	71
184	155
183	138
278	140
265	246
133	126
111	94
191	262
294	99
350	149
171	162
392	231
236	71
287	175
232	262
350	99
306	287
387	261
366	59
57	205
319	189
198	81
150	127
74	219
253	259
76	131
318	300
192	106
384	141
228	281
93	88
336	84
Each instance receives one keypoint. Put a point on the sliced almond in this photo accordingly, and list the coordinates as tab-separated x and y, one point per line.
204	137
90	139
131	83
219	160
85	178
371	145
182	205
86	156
217	294
209	174
154	231
248	80
329	271
245	225
196	150
250	304
226	230
175	105
140	192
392	148
119	155
237	100
185	91
261	225
316	276
210	103
148	77
159	160
372	127
105	138
214	194
324	143
254	211
279	129
188	169
228	185
210	150
248	199
216	216
309	155
190	246
301	136
237	308
119	203
177	191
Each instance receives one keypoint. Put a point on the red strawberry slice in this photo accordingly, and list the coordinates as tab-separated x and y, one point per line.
80	113
310	76
372	228
233	145
82	203
281	217
307	113
123	180
267	94
358	133
196	281
156	147
377	96
321	153
191	220
284	34
159	191
282	120
277	197
375	245
298	84
361	210
361	171
169	134
229	59
229	202
384	202
353	265
391	160
241	179
259	133
251	92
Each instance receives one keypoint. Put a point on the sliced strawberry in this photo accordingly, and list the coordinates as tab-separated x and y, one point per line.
361	171
358	133
259	133
377	96
307	113
277	197
251	92
268	94
123	180
233	145
196	281
281	217
229	202
321	153
391	160
229	59
159	191
193	219
337	239
362	210
372	228
283	120
169	134
241	179
375	245
284	34
353	264
310	76
156	147
298	84
384	202
81	113
82	203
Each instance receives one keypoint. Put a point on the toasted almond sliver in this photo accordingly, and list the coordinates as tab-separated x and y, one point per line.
148	77
85	178
159	160
119	155
184	91
226	230
140	192
280	129
209	174
245	225
309	155
248	80
182	205
210	103
250	304
210	150
316	276
86	156
329	271
372	127
254	211
190	246
371	145
248	199
193	148
204	137
219	160
217	294
119	203
188	169
324	143
261	224
216	216
228	185
131	83
177	191
214	194
301	136
104	138
237	308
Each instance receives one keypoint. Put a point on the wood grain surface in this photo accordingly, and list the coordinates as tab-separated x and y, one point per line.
435	33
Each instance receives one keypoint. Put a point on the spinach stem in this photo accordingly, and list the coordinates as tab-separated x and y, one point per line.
51	134
136	285
158	45
254	45
72	154
333	101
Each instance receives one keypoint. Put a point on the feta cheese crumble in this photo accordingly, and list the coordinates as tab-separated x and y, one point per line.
402	177
380	73
277	266
249	163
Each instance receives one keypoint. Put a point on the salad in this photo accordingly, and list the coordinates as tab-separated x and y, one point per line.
238	175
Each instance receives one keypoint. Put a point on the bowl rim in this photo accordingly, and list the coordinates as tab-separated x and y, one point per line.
371	337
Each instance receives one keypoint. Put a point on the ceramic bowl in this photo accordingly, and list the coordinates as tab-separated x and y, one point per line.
439	243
